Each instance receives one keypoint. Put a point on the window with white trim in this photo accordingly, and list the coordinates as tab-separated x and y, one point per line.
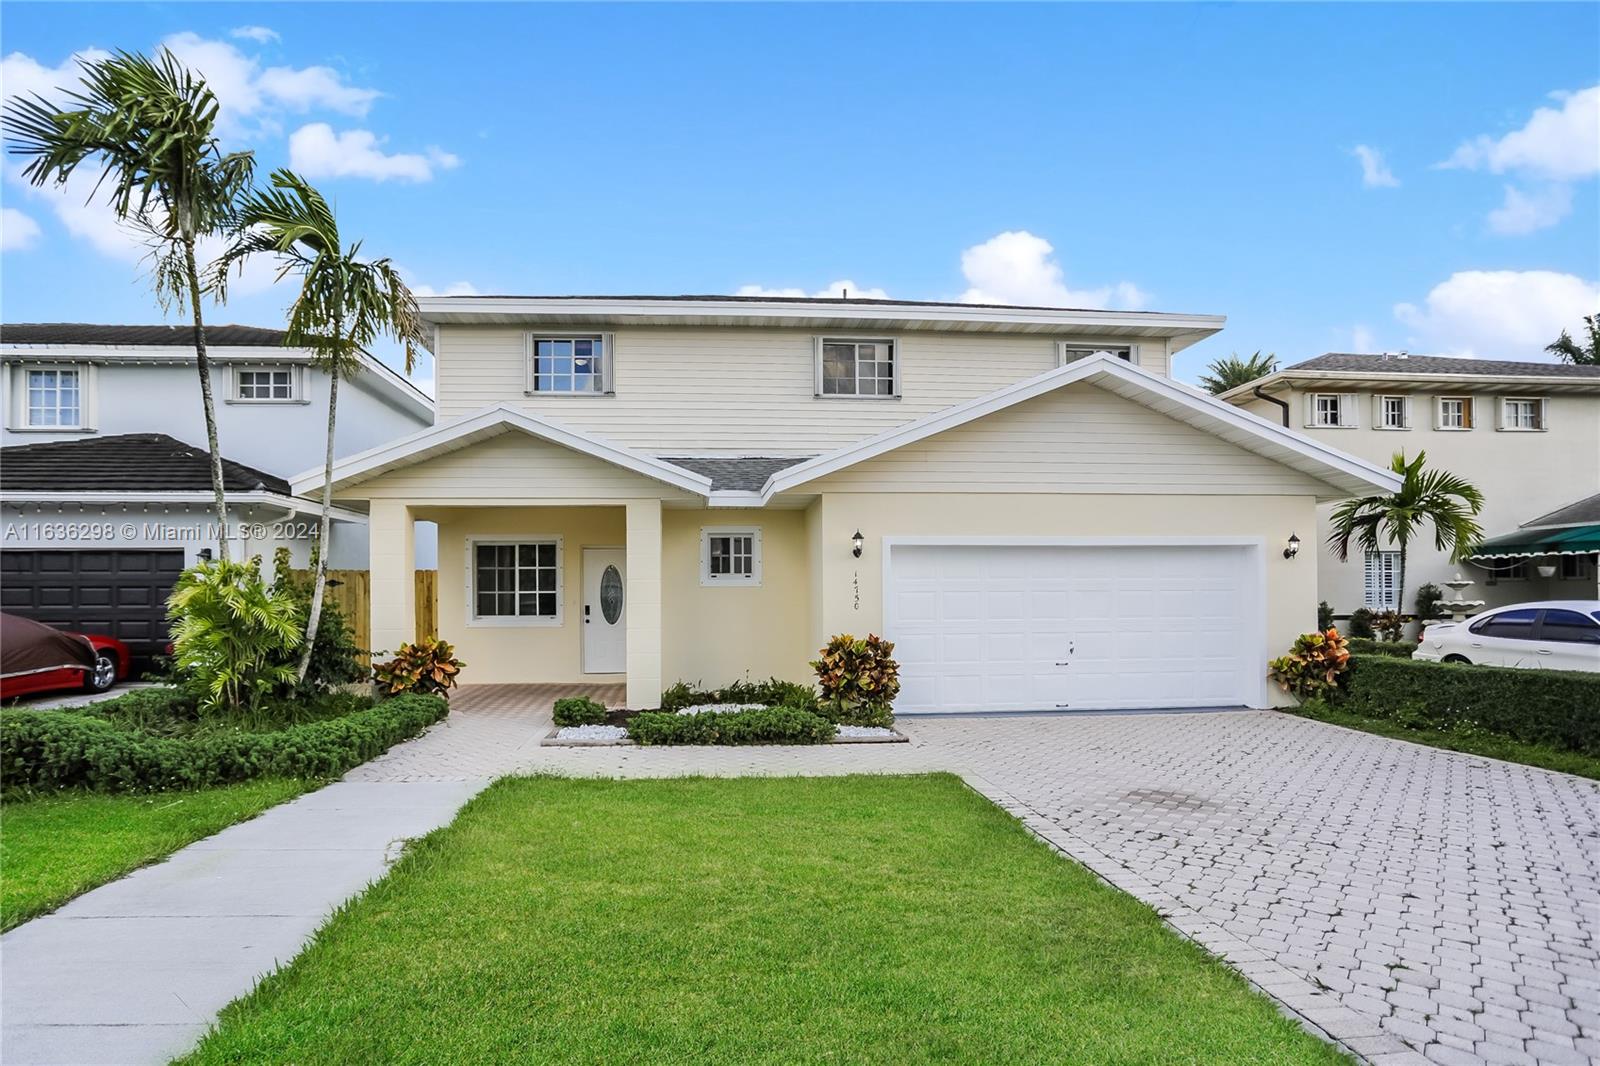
1067	352
1331	409
54	399
1453	412
576	365
1521	413
1383	581
1394	412
847	366
730	556
264	385
516	581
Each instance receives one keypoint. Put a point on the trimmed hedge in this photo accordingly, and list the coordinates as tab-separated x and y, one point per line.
772	692
1395	649
764	725
1555	707
579	710
60	749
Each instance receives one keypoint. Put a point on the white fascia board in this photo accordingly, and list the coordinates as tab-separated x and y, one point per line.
424	442
1373	379
196	498
1092	367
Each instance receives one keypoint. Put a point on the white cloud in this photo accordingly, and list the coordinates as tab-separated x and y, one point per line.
1018	268
1499	314
1375	173
246	92
22	75
455	288
18	232
318	152
258	34
833	289
310	88
1557	143
1361	340
1526	212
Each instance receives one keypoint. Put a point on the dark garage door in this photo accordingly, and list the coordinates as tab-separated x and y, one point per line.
122	594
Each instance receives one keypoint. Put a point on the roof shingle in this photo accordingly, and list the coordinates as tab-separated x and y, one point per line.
1439	364
222	336
1581	512
740	474
127	462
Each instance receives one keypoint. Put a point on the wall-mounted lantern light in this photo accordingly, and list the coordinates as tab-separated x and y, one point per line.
855	544
205	555
1294	547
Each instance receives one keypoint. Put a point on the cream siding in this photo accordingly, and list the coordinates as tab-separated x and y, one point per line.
740	391
1076	439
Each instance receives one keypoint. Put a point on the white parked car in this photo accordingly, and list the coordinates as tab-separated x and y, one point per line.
1550	634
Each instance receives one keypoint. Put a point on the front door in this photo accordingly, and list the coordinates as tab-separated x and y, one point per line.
605	608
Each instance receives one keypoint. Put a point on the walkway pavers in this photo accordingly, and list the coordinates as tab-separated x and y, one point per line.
1417	905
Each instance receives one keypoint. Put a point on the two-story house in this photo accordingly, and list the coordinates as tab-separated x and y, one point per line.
105	479
1526	434
649	489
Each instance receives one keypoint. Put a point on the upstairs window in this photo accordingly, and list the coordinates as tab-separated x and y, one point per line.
1522	414
1331	410
573	365
730	556
1453	412
54	399
851	367
1394	412
266	385
1382	588
1067	352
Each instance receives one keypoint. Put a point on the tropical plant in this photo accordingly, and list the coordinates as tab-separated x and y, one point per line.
232	634
150	125
1390	625
345	303
429	666
1450	504
1314	666
859	679
1570	351
336	658
1361	624
1429	597
1231	372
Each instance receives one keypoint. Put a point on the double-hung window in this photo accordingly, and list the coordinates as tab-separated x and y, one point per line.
1382	581
847	366
1522	413
1453	412
1394	412
516	582
1331	409
264	385
54	399
730	556
576	365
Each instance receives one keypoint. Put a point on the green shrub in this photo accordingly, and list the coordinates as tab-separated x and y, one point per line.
1556	707
428	667
764	725
335	656
1361	624
772	693
1429	597
1399	649
233	636
859	679
1324	617
579	710
61	749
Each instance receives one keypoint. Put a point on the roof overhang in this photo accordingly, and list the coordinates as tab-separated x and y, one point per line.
136	498
1345	473
1401	381
483	425
612	311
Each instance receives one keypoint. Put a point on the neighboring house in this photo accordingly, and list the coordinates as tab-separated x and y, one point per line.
105	487
653	489
1526	434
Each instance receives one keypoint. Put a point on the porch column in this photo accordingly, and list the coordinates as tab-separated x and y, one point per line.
644	603
391	553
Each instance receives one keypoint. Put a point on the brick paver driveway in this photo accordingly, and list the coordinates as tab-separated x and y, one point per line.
1397	896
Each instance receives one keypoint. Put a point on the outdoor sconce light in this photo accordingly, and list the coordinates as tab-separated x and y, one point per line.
855	544
1294	547
205	555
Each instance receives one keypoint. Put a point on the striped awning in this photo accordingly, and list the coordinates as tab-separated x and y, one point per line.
1526	543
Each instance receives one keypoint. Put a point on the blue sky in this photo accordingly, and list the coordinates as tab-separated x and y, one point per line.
1201	158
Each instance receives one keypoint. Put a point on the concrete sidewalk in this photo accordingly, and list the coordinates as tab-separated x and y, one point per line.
136	970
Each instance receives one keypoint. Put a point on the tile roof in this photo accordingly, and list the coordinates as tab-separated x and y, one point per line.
221	336
128	462
1583	511
739	474
1438	364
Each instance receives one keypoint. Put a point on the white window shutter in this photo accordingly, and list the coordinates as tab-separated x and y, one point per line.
1544	412
1347	409
1438	413
608	362
1500	420
1405	411
1311	409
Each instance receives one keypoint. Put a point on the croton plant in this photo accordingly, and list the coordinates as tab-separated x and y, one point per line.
859	678
428	666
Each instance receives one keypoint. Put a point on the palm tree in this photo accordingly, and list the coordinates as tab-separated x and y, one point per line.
1231	372
1450	503
1570	351
345	303
150	125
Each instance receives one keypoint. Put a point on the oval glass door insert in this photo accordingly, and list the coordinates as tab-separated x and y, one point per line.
611	594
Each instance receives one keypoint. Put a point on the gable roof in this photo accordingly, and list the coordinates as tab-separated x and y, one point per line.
492	422
738	474
1343	472
1440	364
1403	372
126	462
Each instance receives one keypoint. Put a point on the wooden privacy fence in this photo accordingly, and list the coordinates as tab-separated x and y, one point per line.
352	591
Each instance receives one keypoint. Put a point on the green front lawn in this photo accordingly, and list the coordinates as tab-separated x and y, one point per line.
58	846
839	920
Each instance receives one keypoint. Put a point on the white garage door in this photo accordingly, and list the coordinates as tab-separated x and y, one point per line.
1026	628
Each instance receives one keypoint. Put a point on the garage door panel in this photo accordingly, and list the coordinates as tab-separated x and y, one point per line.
121	594
987	627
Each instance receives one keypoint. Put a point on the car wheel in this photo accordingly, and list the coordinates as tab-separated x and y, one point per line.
1462	659
105	671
